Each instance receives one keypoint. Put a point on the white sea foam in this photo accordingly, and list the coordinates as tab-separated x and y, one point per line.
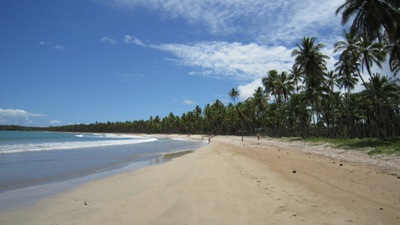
180	139
34	147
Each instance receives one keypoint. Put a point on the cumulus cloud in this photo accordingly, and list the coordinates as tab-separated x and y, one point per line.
247	90
107	39
17	117
55	122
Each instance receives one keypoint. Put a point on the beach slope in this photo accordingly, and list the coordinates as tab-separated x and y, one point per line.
229	182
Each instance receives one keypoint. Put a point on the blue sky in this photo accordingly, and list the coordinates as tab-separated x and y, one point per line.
81	61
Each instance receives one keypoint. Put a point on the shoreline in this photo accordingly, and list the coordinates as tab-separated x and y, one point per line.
231	182
29	195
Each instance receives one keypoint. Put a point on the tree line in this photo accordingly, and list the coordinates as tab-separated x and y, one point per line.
308	100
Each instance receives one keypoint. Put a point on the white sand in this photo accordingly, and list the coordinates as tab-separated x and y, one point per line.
230	182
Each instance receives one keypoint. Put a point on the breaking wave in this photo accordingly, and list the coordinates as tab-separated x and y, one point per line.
112	140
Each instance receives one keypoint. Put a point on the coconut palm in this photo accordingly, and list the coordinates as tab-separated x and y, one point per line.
311	62
259	104
284	86
295	75
349	58
347	74
375	18
233	94
371	53
394	55
330	80
269	83
347	81
349	47
260	100
357	51
383	94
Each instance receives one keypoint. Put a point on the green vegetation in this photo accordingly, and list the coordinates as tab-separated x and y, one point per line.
372	146
304	102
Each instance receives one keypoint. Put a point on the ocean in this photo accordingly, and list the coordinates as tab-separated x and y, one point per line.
32	161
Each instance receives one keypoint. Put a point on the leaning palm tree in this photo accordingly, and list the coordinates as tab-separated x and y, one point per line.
375	18
394	55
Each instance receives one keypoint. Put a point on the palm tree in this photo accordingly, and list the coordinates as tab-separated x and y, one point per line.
348	67
376	19
259	102
384	95
371	53
284	86
349	58
295	75
349	47
330	80
358	51
372	17
394	55
298	115
269	83
234	94
347	80
311	62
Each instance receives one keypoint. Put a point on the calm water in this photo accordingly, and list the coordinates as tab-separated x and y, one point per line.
30	159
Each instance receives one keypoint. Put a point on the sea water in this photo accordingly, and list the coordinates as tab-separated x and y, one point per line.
36	159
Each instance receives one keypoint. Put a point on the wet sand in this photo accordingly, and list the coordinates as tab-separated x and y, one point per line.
235	182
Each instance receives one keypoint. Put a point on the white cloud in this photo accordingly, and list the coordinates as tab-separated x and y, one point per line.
44	43
55	122
107	39
59	47
246	91
274	26
231	60
49	43
188	102
270	21
17	117
129	39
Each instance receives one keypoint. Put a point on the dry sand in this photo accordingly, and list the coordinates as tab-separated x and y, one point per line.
234	182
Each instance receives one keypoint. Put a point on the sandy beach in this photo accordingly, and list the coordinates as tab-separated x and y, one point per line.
233	182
